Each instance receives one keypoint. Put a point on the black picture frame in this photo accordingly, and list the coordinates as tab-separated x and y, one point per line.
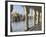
6	18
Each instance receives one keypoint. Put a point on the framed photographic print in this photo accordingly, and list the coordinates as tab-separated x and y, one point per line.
24	18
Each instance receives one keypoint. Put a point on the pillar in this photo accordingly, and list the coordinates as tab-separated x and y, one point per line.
37	17
26	19
33	16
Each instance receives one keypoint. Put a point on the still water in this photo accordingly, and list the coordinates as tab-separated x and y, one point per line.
19	26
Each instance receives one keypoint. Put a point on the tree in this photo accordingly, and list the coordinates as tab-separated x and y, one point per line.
14	16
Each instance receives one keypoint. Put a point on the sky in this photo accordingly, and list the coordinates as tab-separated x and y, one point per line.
19	9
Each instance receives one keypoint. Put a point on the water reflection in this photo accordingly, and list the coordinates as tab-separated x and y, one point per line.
19	26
